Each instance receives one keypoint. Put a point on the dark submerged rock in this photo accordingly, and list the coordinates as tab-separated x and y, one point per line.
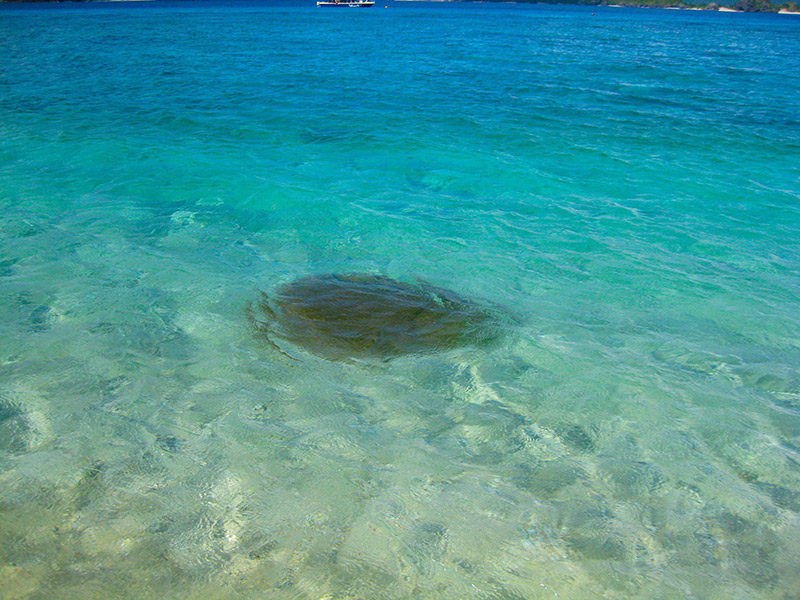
576	438
15	430
360	316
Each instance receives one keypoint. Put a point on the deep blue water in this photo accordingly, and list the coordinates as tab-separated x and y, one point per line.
621	185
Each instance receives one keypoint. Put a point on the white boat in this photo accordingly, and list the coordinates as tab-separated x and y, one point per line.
350	3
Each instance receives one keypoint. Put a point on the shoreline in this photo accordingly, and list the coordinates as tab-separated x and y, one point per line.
726	9
593	6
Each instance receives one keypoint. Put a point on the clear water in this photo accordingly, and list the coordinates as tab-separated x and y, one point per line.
623	184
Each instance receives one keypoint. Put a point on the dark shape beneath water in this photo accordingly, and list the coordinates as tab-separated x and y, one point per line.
360	316
15	430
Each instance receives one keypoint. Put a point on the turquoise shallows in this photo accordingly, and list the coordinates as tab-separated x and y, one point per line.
622	186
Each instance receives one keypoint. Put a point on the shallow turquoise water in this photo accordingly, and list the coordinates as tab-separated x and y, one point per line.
622	184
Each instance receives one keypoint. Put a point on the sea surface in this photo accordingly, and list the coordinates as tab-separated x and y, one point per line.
620	186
